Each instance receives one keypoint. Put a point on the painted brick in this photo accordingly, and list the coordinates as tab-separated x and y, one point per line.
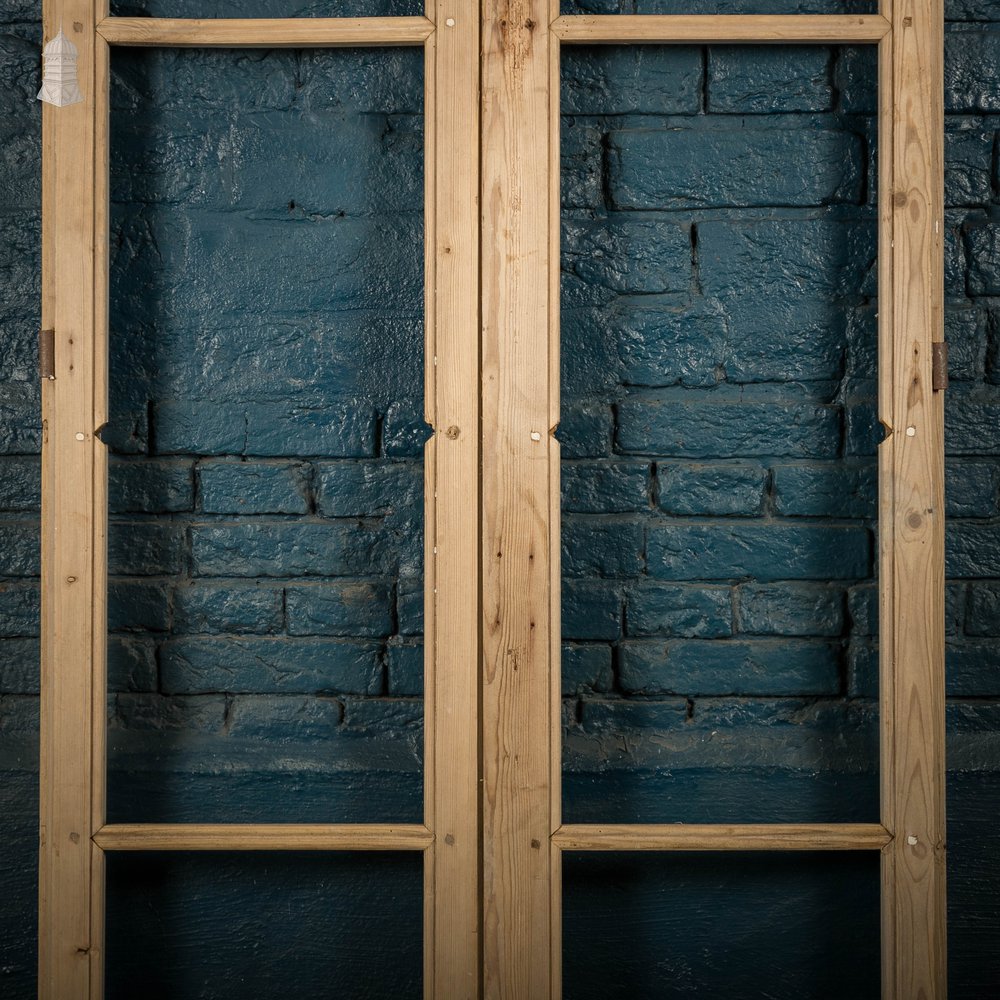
284	718
965	330
346	607
972	71
586	668
211	428
19	609
709	429
20	482
591	609
730	667
157	713
971	425
862	343
956	261
145	548
972	667
826	490
670	345
227	607
410	606
624	256
20	423
982	245
581	165
404	431
983	609
790	610
862	669
631	80
971	549
585	430
726	163
590	349
138	606
605	487
405	669
19	666
604	548
253	487
690	611
131	664
732	550
368	489
971	489
968	163
150	486
765	80
284	548
809	259
249	665
711	489
862	430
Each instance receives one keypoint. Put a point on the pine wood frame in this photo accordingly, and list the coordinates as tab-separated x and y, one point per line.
493	860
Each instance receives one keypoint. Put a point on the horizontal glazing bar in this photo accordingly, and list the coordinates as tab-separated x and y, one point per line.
704	29
263	837
719	837
269	33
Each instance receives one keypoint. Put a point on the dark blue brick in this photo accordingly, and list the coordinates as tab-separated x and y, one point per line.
591	339
862	607
585	430
19	666
230	606
631	79
971	489
603	548
733	550
730	667
346	607
280	718
965	330
591	609
983	609
410	606
605	487
20	547
157	713
790	610
368	489
249	665
862	343
972	71
253	487
586	668
150	486
693	611
725	163
826	490
971	425
705	428
19	609
862	430
711	489
394	718
968	163
982	244
131	664
405	669
20	420
146	548
138	606
581	164
971	550
767	79
972	667
862	669
404	431
284	548
955	255
20	482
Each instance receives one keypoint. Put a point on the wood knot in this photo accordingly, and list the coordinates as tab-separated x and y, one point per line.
449	839
452	432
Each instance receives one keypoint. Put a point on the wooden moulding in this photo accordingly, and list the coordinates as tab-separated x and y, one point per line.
704	29
720	837
269	33
262	837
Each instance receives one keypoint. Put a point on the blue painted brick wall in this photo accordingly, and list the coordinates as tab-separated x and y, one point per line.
719	613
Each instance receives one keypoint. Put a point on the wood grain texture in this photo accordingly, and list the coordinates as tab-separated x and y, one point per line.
74	143
721	837
268	33
518	372
704	29
263	837
913	754
452	909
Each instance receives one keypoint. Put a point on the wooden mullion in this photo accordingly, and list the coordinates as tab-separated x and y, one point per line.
270	33
73	561
451	793
914	956
706	29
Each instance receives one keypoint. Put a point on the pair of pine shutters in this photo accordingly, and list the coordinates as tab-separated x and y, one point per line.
492	834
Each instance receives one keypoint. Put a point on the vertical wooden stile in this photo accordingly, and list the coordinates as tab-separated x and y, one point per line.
517	378
451	794
72	699
914	959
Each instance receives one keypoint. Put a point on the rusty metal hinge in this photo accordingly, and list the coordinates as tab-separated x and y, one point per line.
939	366
47	354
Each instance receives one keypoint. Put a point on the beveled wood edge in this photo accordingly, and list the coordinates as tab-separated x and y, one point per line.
722	837
271	33
704	29
263	837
